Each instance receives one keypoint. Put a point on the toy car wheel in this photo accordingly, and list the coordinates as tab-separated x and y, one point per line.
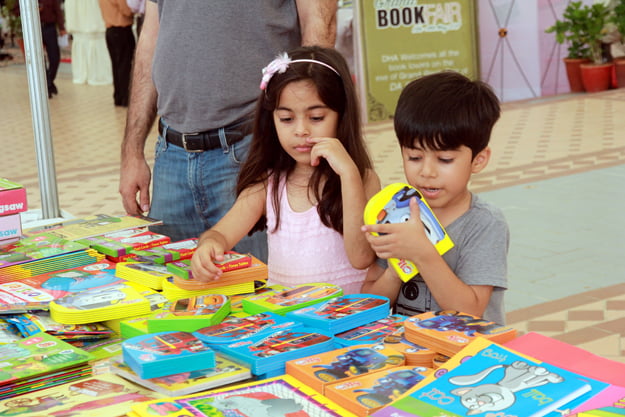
394	360
371	401
326	376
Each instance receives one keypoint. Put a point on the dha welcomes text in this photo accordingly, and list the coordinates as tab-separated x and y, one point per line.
441	17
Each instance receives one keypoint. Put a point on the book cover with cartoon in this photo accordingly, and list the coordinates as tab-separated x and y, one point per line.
189	314
392	205
281	396
36	247
319	370
102	395
166	353
343	313
448	331
287	299
254	270
495	379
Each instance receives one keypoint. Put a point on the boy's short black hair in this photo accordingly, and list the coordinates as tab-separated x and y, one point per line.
444	111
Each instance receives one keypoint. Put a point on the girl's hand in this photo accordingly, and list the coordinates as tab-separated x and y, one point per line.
399	240
333	151
202	265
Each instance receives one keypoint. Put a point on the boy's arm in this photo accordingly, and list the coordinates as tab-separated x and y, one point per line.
408	241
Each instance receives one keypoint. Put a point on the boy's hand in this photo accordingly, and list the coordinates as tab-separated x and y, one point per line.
399	240
333	151
202	265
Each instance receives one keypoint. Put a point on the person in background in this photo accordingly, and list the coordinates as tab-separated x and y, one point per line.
52	25
443	123
307	179
120	42
138	8
197	68
91	63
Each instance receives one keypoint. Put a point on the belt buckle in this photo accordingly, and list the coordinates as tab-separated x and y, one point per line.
184	142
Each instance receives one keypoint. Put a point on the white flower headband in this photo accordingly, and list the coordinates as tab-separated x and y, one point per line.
281	63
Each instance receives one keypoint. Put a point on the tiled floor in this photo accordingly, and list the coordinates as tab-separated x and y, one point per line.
557	171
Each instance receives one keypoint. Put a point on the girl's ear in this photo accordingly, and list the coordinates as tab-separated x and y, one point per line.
480	161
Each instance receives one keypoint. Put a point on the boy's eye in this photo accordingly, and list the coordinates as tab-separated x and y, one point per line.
446	160
414	158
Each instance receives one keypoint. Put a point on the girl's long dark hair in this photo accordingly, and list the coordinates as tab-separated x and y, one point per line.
267	160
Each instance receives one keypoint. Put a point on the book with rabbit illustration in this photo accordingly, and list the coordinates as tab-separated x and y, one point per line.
392	205
486	377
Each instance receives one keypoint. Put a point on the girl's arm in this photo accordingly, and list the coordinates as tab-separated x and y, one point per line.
380	281
236	223
355	192
355	196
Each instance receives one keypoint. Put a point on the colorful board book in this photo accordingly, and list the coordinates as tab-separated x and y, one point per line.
285	299
267	353
319	370
449	331
149	274
189	314
42	246
12	198
489	378
256	270
365	394
173	251
101	395
372	332
166	353
236	329
121	300
37	358
117	246
343	313
224	372
392	205
95	225
274	397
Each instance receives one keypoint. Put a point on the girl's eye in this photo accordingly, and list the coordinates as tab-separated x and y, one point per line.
317	118
285	119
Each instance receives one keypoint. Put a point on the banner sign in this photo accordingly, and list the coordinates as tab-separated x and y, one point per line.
401	40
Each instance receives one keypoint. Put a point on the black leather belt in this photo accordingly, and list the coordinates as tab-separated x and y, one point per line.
205	141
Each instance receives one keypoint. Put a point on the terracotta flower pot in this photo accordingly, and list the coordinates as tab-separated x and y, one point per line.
596	77
619	69
574	74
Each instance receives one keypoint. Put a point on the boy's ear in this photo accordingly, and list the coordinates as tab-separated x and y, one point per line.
480	161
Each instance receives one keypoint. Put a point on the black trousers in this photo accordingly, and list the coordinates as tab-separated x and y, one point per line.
120	42
49	36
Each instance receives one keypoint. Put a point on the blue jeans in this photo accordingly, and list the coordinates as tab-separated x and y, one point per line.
191	191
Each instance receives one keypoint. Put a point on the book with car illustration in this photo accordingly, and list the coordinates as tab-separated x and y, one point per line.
392	205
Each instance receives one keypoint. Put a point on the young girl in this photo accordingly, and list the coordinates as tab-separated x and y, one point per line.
306	180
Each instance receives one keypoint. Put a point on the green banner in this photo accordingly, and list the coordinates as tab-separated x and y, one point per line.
401	40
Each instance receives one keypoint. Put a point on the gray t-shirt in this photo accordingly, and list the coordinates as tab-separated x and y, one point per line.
479	257
209	56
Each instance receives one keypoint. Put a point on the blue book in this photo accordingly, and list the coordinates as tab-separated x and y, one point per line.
166	353
496	381
343	313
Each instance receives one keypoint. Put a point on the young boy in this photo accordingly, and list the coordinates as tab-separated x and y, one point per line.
443	122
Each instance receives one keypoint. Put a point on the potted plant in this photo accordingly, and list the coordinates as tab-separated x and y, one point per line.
618	19
583	26
570	29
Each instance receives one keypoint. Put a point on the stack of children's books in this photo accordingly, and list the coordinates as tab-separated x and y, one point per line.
372	332
149	274
232	261
281	299
282	396
38	362
169	252
266	354
42	254
343	313
416	355
189	314
342	365
447	332
166	353
225	372
485	377
121	300
118	246
12	203
235	329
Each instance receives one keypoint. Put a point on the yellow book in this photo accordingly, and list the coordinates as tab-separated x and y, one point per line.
392	205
